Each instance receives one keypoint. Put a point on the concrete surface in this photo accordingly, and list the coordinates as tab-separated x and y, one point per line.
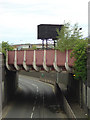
75	108
34	99
78	111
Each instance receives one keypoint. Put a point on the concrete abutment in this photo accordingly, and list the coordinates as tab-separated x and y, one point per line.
11	84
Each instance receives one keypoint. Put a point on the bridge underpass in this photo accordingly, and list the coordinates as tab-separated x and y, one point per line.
28	91
35	99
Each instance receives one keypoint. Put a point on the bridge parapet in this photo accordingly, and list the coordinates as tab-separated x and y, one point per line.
39	60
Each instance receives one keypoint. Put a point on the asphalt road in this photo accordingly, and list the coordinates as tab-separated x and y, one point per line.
34	99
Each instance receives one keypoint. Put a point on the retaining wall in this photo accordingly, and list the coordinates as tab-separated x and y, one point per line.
65	105
51	78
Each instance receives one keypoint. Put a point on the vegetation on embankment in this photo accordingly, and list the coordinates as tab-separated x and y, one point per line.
5	47
72	38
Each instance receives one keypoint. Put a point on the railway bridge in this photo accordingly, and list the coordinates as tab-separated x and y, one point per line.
39	60
35	60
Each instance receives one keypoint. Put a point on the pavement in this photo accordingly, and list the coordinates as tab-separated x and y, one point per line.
77	110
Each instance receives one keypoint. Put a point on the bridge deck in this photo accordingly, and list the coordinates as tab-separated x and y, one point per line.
39	60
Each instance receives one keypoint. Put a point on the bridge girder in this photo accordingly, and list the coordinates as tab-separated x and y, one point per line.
39	60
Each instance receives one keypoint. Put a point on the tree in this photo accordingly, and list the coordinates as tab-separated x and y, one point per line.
34	47
71	38
80	54
6	46
67	37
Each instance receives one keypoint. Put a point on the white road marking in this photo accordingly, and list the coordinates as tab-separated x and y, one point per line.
52	86
33	108
37	88
31	114
34	85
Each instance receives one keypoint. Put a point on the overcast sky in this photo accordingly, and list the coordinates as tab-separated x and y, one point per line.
19	18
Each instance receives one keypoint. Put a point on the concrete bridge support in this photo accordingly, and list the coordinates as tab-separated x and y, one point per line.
11	84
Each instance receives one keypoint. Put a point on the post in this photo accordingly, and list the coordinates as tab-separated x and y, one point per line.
54	43
42	44
46	44
88	63
0	86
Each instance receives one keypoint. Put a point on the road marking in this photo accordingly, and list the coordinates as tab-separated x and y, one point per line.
53	88
31	114
33	108
37	88
35	85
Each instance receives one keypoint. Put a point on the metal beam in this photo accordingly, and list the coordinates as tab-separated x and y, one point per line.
34	62
7	65
44	62
55	63
15	61
24	62
66	63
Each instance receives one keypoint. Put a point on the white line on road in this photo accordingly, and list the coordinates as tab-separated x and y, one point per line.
37	88
31	114
35	85
46	84
33	108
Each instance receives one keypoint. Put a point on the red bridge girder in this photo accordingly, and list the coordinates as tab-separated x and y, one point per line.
38	60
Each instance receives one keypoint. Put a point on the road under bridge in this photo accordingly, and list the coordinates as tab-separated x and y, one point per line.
41	61
35	99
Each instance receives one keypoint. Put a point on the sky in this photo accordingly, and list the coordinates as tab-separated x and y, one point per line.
19	18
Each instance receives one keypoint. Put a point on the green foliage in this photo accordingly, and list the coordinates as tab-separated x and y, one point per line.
80	54
68	37
71	38
0	47
6	46
34	47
